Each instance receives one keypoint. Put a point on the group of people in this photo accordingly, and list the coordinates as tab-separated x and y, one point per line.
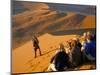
75	52
71	53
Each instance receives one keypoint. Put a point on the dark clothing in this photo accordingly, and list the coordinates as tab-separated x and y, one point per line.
35	50
35	42
75	56
60	60
79	45
36	45
90	48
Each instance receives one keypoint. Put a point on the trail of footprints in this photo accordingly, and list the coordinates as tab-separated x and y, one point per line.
35	63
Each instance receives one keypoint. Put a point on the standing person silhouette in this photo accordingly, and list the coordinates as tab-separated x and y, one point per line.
36	46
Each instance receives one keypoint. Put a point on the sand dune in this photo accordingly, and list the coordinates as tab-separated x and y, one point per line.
30	18
53	27
35	6
23	60
21	6
23	57
48	21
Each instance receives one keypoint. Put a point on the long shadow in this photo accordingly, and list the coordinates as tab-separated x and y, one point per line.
31	66
21	33
42	54
49	51
75	31
72	21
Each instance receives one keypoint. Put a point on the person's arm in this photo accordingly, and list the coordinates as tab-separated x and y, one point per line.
90	57
52	59
83	47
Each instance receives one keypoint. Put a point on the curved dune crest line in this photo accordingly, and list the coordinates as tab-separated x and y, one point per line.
27	14
74	22
24	23
69	21
89	22
51	21
49	24
84	22
30	25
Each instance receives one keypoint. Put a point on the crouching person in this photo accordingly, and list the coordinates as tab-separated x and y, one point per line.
75	53
59	62
89	49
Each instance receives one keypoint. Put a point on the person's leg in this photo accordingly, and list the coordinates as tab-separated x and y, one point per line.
40	51
90	58
51	67
83	56
35	49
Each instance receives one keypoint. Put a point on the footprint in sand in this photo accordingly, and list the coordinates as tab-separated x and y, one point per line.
29	61
39	62
51	47
31	65
43	57
48	55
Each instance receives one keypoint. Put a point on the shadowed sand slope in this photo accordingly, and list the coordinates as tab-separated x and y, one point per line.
47	21
22	6
46	18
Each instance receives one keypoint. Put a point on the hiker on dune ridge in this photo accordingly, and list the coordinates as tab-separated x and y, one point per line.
36	46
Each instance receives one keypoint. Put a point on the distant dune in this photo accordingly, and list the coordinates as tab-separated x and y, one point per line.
35	6
22	6
43	21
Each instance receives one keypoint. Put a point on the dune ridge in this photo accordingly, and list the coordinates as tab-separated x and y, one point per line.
48	22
